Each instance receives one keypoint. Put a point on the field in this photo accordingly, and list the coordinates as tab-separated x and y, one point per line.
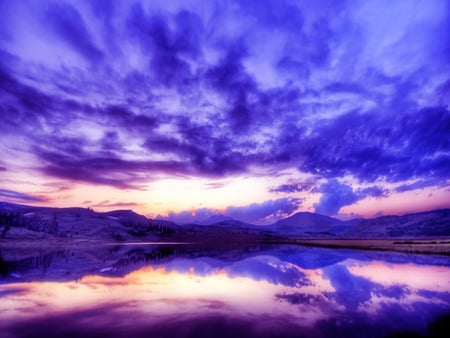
423	246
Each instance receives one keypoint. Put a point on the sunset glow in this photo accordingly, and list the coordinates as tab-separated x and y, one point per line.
184	110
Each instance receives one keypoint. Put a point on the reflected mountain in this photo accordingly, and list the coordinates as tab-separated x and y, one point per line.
74	225
190	291
262	260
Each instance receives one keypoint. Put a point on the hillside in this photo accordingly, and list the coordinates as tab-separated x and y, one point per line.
27	222
423	224
41	224
307	223
21	222
308	220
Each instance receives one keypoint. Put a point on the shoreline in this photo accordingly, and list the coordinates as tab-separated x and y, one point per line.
432	246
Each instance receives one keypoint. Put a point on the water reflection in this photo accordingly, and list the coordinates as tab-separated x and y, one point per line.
285	291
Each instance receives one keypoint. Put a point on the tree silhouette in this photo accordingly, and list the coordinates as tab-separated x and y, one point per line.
53	227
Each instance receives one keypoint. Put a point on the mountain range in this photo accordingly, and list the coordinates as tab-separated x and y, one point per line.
30	222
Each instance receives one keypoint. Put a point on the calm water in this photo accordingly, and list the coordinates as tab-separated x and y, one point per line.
183	291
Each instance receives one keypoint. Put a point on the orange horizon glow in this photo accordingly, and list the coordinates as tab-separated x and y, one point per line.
166	196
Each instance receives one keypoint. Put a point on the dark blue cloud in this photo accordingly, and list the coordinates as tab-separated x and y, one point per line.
373	191
18	196
104	170
165	46
291	188
68	24
288	17
17	111
336	195
230	78
369	146
123	116
416	185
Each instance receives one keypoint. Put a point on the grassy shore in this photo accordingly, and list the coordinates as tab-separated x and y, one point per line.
438	246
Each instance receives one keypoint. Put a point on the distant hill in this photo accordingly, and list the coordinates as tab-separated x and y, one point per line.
5	206
430	223
308	223
230	222
125	214
30	222
215	219
423	224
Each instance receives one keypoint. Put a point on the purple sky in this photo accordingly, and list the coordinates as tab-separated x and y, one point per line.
252	109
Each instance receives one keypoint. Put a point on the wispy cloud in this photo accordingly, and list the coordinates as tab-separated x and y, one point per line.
110	204
20	197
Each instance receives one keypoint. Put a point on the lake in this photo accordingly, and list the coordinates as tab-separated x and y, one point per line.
255	291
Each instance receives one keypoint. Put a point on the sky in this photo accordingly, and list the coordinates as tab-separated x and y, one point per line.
254	110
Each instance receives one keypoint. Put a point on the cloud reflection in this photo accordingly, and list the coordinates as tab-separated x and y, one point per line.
253	296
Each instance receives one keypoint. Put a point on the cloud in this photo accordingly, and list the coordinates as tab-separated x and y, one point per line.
291	188
336	195
66	22
196	216
373	191
365	147
166	46
266	212
217	90
18	196
420	184
123	116
109	204
105	170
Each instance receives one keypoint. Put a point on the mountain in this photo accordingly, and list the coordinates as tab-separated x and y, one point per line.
5	206
215	219
307	223
434	223
231	222
422	224
22	222
30	222
308	220
126	215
